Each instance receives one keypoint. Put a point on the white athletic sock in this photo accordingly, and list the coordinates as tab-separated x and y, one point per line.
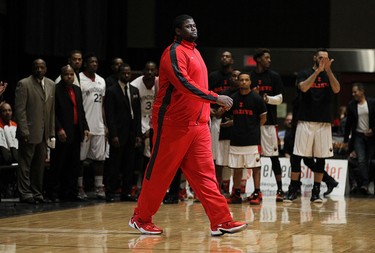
80	182
98	181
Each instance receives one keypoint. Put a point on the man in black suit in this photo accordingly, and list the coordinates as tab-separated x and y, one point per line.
123	115
71	129
113	78
360	124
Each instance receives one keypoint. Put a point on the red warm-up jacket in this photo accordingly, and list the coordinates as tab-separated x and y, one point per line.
183	98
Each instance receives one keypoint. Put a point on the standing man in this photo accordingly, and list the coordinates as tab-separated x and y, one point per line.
314	134
35	117
218	81
226	127
71	129
182	137
123	114
113	78
146	87
249	114
360	124
93	92
75	61
270	87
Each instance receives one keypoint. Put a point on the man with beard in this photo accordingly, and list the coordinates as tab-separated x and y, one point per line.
182	138
317	86
360	125
74	61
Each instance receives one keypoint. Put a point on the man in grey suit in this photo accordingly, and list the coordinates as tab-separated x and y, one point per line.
34	112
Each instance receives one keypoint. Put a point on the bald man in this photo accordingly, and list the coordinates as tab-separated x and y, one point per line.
71	130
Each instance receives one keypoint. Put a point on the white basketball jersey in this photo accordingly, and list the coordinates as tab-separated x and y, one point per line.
147	100
93	93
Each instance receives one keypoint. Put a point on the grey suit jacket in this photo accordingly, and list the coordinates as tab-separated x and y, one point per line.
35	109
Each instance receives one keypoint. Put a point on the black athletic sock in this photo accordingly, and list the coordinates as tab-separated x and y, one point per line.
237	192
295	184
317	185
279	185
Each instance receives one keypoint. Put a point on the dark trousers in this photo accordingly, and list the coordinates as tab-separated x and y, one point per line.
61	179
120	170
174	188
364	148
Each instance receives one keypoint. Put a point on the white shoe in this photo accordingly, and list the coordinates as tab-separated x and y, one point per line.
81	193
100	193
189	194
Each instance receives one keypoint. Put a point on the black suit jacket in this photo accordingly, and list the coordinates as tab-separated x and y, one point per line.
118	115
352	117
64	112
110	81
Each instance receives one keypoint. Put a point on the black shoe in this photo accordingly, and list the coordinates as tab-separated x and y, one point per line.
291	194
364	191
109	197
40	200
353	190
169	199
72	198
54	200
128	197
234	199
30	200
315	197
279	196
330	186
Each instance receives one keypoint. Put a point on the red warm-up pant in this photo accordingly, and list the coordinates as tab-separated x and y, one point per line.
188	147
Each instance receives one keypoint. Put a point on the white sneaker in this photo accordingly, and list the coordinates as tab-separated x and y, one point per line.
100	193
189	194
81	193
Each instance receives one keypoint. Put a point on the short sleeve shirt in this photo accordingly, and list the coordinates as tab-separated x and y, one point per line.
246	111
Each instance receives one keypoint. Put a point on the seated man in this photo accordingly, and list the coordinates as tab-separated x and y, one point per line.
8	141
8	150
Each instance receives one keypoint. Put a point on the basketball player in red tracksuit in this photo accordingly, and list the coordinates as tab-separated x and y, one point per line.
181	135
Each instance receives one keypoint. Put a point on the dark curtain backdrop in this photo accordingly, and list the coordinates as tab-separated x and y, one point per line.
250	23
50	29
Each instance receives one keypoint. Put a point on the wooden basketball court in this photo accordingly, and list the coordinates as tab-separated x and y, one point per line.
339	225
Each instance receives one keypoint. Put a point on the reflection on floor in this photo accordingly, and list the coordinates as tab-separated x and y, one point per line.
12	207
340	224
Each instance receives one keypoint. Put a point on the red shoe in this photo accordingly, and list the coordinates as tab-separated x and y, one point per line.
255	198
134	191
279	196
229	227
234	199
144	242
252	196
182	195
147	228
